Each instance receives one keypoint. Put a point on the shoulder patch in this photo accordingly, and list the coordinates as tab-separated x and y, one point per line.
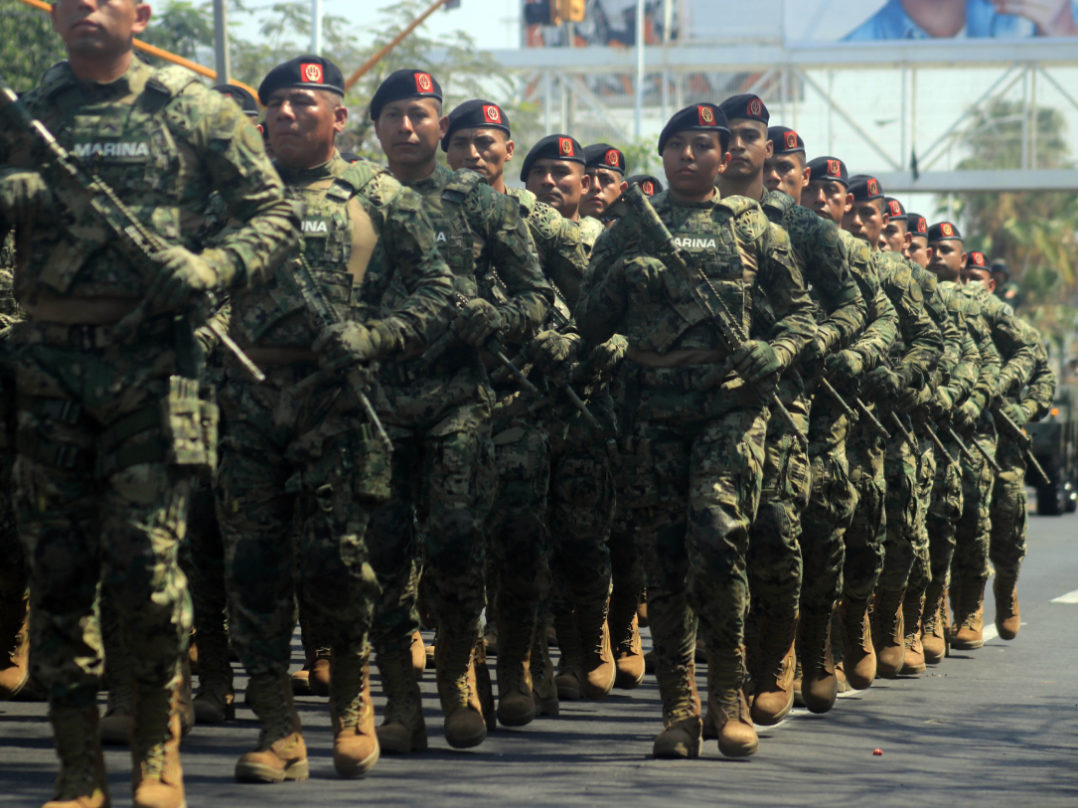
172	80
462	184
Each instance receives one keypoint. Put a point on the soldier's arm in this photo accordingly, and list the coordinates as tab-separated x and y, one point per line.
788	298
942	319
988	371
1017	344
1040	393
604	297
874	343
565	259
920	336
266	224
826	268
408	237
512	251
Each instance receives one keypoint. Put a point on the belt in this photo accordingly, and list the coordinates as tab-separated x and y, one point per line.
95	311
266	355
80	337
676	359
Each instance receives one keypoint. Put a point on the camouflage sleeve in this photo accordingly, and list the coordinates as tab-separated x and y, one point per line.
219	320
512	252
827	270
603	296
249	186
789	300
408	237
881	330
1040	392
561	249
1016	344
921	341
988	371
942	319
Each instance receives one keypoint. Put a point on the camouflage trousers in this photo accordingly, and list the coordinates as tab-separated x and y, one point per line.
973	531
920	573
203	559
434	520
944	511
518	578
775	555
300	474
1007	546
109	437
904	540
865	536
13	574
832	500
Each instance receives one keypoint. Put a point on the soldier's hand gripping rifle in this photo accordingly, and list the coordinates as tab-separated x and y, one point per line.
561	322
638	209
82	190
1019	436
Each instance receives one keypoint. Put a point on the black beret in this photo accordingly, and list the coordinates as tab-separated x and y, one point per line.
745	106
894	208
785	140
405	83
241	96
865	188
942	231
829	168
648	184
474	114
977	260
553	147
696	118
916	223
308	71
999	265
603	155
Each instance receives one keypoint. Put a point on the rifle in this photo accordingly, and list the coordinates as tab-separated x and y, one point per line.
322	315
1019	436
935	438
562	322
83	190
724	323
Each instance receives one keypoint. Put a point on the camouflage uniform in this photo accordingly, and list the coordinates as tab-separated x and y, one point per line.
438	411
111	430
775	546
697	435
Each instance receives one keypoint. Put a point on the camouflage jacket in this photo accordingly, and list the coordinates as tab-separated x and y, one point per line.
823	265
914	356
881	319
1017	347
9	308
984	391
747	260
939	314
164	143
590	230
487	245
1040	391
559	242
370	248
966	372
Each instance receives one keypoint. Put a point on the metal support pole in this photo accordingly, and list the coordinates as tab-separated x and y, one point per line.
638	117
316	27
1025	117
220	41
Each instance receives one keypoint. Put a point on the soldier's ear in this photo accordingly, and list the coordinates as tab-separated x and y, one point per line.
142	18
806	176
849	204
443	126
340	118
510	148
624	187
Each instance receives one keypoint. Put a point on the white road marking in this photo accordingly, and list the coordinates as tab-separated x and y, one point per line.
1070	597
989	633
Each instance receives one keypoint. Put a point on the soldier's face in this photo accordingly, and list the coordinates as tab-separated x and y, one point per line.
918	251
559	183
302	124
604	188
749	149
828	198
481	149
946	259
786	173
866	220
99	26
692	161
895	236
410	130
980	275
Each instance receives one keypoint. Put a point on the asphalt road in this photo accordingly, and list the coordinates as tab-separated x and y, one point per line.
993	727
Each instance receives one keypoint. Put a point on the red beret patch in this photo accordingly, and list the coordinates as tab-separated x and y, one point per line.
896	209
756	107
311	72
492	113
423	83
648	187
922	225
565	146
791	140
873	187
977	259
834	168
611	158
705	115
946	229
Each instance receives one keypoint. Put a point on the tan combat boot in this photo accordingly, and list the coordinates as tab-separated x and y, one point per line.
464	724
933	637
156	775
568	679
14	645
281	753
888	632
858	653
642	610
403	730
355	742
81	782
819	687
484	685
682	735
313	678
516	697
774	694
597	657
419	654
913	661
623	623
968	630
542	673
115	724
727	705
1008	619
215	701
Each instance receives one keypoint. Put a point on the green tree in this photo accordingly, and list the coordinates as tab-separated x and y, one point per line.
28	45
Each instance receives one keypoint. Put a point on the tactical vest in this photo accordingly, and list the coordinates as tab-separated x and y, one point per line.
446	202
140	144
